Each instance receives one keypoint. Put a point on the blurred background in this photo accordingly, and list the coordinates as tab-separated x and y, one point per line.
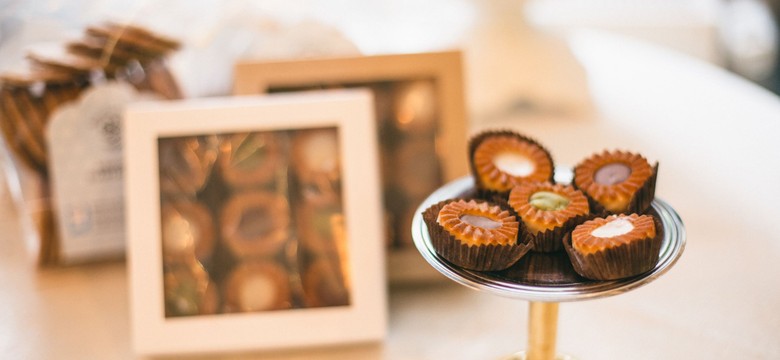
739	35
519	63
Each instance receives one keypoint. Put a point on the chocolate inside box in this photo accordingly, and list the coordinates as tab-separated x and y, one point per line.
289	230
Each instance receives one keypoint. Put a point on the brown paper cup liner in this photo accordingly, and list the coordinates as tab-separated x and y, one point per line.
620	262
480	258
639	203
482	191
491	195
552	240
643	198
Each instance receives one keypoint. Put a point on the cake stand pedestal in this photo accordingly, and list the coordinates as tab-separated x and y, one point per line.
544	280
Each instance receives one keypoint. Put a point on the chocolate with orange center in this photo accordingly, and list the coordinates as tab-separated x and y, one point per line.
613	178
188	290
476	235
257	285
186	163
325	283
255	223
476	223
503	159
544	206
604	233
187	231
250	159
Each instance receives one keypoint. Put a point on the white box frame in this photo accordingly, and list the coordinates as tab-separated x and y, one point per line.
365	319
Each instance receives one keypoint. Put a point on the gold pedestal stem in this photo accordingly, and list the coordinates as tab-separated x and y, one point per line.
542	330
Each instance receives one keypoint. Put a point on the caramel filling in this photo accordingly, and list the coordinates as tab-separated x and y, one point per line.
613	228
548	201
514	164
611	232
179	233
480	221
321	152
258	293
255	223
611	174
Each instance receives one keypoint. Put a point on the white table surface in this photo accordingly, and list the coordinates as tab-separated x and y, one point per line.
716	138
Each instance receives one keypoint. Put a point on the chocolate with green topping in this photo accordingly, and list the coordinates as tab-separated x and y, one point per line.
548	201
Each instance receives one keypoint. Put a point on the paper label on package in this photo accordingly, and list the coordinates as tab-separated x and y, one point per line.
85	149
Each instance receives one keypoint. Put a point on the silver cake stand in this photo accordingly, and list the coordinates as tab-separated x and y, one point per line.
547	290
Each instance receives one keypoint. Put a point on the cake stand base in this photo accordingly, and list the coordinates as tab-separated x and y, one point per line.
542	332
554	281
523	355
